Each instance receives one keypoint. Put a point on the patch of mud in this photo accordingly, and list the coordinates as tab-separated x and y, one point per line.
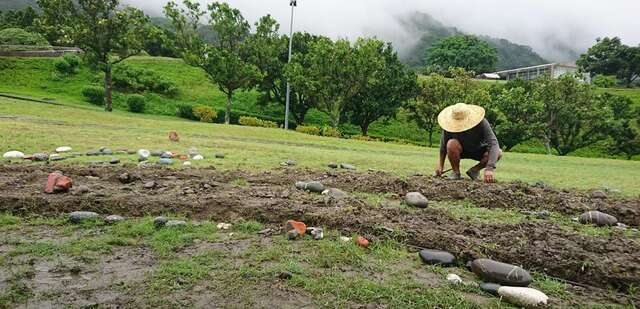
271	198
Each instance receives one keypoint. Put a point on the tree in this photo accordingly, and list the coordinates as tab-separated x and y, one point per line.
463	51
332	75
107	32
610	57
573	117
160	42
625	139
386	87
18	36
226	60
24	19
271	56
518	117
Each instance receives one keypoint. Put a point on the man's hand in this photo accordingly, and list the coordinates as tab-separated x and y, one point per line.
439	171
488	176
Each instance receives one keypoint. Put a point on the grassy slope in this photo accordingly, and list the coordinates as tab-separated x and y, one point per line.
42	127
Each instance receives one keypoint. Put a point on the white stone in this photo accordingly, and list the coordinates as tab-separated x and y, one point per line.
187	163
454	279
63	149
198	157
525	297
345	238
13	155
224	226
143	153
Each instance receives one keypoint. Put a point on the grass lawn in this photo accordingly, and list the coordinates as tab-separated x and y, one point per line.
37	127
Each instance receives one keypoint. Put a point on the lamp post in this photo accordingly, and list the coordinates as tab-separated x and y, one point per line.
293	4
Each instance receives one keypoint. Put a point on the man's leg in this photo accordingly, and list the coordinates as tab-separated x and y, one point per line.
454	152
474	172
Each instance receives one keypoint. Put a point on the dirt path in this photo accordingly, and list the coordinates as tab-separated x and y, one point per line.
541	245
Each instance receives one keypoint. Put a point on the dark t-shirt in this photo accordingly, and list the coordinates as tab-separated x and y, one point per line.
474	140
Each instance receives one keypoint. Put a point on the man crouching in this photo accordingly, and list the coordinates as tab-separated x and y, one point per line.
467	135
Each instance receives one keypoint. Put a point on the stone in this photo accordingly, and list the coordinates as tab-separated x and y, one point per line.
454	279
193	152
166	155
114	161
502	273
173	136
362	242
219	155
289	163
543	215
40	157
125	178
598	194
187	163
524	297
93	153
285	275
144	154
149	184
265	232
437	257
13	155
157	153
333	165
296	225
57	159
314	186
82	189
490	288
198	158
416	199
79	216
293	234
345	239
597	218
301	185
106	151
165	161
316	233
175	223
57	183
112	219
63	149
347	166
159	222
223	226
335	194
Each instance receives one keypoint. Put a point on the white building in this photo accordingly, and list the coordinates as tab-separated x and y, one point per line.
555	70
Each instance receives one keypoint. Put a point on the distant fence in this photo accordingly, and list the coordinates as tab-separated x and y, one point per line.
37	51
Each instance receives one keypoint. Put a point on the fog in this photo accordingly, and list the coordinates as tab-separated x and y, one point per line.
549	26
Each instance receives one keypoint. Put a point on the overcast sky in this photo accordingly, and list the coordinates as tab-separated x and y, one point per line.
538	23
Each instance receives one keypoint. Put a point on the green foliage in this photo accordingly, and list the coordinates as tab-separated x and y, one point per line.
24	18
136	103
93	95
136	79
255	122
160	42
518	117
186	111
67	65
226	61
205	113
17	36
625	138
604	81
106	31
610	57
331	132
311	130
462	51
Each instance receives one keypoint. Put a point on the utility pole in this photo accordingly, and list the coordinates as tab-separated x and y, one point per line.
293	4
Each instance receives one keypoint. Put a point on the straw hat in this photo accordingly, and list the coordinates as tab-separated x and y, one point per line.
460	117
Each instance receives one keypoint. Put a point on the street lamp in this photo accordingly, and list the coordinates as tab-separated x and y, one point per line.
293	4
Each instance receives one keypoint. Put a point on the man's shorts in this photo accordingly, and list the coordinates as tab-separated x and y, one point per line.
474	154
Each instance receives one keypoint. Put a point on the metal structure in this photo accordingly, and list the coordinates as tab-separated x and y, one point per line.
293	4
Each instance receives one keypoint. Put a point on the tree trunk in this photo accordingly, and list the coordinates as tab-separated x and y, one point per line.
547	145
108	99
365	129
227	113
430	138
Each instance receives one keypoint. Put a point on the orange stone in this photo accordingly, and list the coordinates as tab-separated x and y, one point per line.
51	182
296	225
173	136
362	242
183	157
63	184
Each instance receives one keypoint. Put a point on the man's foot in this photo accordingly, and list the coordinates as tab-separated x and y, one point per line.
473	174
455	176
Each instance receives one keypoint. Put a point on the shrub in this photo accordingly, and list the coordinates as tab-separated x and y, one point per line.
186	111
72	60
126	77
363	138
255	122
605	81
17	36
136	103
330	132
311	130
205	113
93	94
62	66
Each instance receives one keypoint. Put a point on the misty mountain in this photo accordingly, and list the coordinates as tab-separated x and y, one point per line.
429	31
8	5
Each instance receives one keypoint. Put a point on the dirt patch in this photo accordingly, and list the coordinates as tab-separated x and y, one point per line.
271	197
